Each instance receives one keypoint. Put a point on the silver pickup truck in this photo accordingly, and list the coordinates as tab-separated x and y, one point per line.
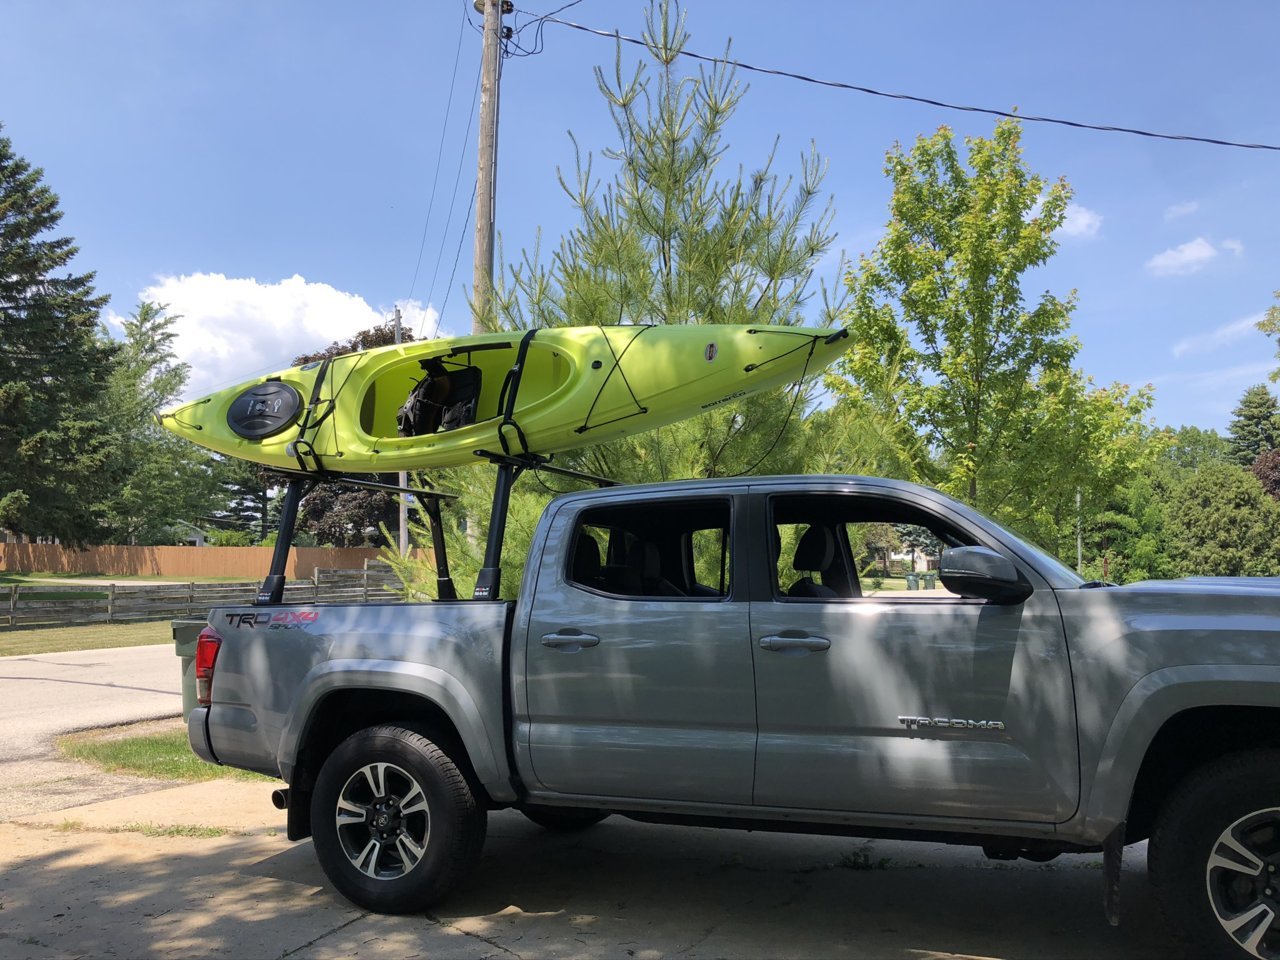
725	653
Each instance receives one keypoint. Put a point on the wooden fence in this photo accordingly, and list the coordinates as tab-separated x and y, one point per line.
175	562
25	605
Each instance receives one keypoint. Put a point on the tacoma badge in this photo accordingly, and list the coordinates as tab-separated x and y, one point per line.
915	723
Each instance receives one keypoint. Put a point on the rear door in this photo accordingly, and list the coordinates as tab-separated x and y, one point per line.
638	674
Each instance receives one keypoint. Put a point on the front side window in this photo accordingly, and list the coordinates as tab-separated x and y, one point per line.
846	547
657	549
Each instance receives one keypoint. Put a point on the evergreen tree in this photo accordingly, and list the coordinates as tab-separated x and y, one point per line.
1255	428
244	497
166	479
670	234
1221	523
56	455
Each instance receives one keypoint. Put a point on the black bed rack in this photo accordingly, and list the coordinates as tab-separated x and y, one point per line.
489	581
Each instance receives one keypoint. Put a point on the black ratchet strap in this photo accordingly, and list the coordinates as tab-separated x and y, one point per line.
302	447
507	398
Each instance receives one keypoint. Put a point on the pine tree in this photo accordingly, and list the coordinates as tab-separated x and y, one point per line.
1255	428
670	235
166	479
56	454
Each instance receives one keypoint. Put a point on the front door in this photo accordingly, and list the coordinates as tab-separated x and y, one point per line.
638	673
879	693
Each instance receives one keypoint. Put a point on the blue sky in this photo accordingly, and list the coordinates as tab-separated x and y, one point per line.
265	168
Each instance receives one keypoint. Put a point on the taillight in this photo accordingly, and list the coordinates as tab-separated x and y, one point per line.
207	646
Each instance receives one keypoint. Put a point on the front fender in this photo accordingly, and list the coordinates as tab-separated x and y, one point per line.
482	740
1149	704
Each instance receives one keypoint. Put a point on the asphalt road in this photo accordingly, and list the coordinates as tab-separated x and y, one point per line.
46	695
77	878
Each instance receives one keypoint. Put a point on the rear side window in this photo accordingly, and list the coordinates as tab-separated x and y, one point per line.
657	549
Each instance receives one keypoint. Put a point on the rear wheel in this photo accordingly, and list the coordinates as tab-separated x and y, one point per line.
563	819
394	821
1214	856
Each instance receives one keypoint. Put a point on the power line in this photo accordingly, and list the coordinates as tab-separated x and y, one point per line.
512	46
1030	118
466	137
462	236
435	177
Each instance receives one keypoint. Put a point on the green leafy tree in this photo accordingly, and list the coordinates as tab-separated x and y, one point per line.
1193	447
980	375
670	234
1220	522
1255	427
1270	324
56	454
166	479
1127	540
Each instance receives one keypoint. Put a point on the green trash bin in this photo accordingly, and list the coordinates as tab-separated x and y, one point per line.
930	580
185	633
913	581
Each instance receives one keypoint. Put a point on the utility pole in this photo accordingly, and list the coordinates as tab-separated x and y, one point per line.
404	482
487	156
1079	535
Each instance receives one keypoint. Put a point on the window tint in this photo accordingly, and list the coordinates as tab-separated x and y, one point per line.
672	549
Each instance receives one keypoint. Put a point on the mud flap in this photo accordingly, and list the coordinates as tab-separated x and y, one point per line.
1112	859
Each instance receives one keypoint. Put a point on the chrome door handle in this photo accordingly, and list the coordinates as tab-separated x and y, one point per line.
569	642
798	644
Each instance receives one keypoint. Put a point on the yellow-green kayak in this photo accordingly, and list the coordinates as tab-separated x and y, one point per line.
436	403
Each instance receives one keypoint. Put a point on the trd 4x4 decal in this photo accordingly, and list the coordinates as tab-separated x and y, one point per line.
284	620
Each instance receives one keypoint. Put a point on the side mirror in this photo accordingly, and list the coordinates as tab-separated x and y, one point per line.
980	573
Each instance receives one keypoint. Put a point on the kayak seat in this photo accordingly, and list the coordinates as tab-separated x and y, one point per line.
442	400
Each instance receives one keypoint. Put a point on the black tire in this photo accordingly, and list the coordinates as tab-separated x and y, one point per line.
422	829
563	819
1214	857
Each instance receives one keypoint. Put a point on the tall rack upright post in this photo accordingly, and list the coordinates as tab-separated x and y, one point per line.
272	590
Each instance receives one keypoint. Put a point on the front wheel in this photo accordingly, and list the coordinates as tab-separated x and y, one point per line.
1214	856
394	822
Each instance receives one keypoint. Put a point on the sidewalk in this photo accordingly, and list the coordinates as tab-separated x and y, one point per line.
85	882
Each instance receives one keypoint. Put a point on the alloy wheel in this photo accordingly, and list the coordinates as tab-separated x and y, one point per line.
1243	879
383	821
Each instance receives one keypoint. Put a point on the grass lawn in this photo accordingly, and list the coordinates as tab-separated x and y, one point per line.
96	636
162	754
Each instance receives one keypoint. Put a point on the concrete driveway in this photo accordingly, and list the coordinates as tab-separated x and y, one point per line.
126	877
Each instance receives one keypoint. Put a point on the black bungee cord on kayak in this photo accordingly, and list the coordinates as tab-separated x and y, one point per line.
813	345
617	367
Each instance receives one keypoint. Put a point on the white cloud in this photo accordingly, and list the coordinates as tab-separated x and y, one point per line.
1218	337
1081	221
232	329
1235	246
1187	258
1181	210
